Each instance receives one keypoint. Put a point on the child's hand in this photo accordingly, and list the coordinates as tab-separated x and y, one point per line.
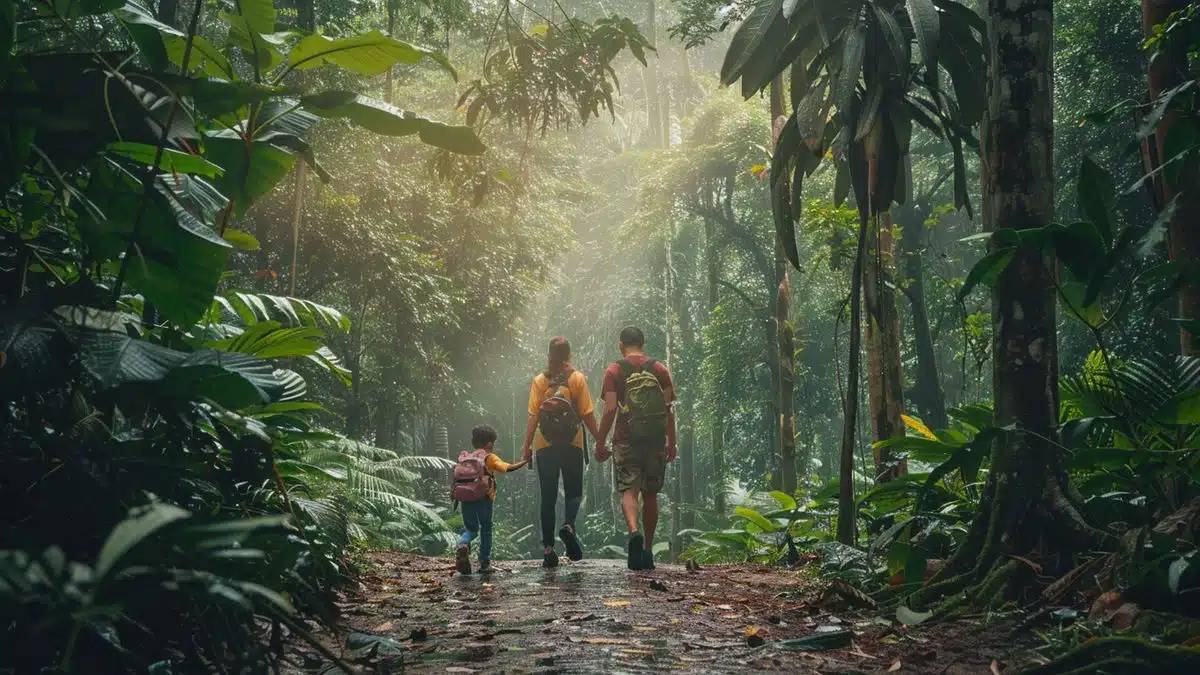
518	465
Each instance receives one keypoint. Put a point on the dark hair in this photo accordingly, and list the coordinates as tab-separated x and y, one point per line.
632	336
482	435
558	356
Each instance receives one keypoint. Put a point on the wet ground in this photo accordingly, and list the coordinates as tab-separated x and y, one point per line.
415	615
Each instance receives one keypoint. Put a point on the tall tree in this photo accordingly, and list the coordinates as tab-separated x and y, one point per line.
1170	69
785	360
885	386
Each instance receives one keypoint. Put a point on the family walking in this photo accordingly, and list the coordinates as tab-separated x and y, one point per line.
638	398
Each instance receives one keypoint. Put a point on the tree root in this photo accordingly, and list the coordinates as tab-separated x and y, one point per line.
1122	655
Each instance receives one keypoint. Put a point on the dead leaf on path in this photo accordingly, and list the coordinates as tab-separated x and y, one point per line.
460	669
995	667
597	640
675	622
492	612
675	599
616	603
725	607
645	629
385	626
731	616
896	665
638	652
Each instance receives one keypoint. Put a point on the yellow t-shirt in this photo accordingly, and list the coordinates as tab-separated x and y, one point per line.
581	398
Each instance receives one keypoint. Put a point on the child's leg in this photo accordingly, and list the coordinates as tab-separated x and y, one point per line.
470	511
485	532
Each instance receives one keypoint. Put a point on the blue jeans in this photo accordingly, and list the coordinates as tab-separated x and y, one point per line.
477	519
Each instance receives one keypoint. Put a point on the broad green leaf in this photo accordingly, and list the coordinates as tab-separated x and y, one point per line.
987	270
1098	198
747	38
926	25
854	50
248	175
1182	410
177	258
172	161
908	617
261	50
147	32
1074	298
369	54
1081	248
388	120
243	241
131	532
259	15
756	518
785	501
204	57
790	7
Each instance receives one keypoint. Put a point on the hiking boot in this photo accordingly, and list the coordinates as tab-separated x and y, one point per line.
636	544
462	559
550	559
485	567
647	559
571	542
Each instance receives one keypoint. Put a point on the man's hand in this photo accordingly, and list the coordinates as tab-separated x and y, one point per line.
671	452
526	454
602	452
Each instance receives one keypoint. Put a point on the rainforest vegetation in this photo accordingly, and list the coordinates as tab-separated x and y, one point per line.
926	274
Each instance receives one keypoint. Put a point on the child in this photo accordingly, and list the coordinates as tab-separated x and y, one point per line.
477	513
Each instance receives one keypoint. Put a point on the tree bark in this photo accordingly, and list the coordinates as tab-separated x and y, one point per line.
885	386
1024	509
927	391
654	123
784	338
713	263
1183	230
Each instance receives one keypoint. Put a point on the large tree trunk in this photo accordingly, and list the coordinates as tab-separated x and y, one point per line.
784	340
927	391
713	263
1183	231
885	386
1024	509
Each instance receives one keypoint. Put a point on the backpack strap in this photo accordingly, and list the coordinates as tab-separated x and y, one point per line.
627	368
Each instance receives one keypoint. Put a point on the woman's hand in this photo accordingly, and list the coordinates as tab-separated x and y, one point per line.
602	452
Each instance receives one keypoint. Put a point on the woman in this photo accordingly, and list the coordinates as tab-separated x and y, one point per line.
559	402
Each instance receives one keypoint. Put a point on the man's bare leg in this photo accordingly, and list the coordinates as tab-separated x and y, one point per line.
649	517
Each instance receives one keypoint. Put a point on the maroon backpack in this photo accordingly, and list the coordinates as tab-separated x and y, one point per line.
557	419
471	479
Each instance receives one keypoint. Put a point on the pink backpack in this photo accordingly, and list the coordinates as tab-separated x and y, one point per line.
471	479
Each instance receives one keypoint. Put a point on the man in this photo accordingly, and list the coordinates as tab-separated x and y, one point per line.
638	396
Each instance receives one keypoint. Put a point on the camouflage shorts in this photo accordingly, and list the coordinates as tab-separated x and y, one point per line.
639	467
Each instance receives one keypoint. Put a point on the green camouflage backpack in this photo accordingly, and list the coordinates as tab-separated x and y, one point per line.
645	403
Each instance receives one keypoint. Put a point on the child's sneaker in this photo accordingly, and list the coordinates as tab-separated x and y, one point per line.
462	559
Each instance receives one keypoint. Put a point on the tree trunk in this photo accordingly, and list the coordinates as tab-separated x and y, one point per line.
654	124
885	386
1183	232
691	378
167	10
784	347
927	391
713	262
1024	509
847	518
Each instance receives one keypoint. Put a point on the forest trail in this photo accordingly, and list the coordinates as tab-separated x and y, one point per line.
413	614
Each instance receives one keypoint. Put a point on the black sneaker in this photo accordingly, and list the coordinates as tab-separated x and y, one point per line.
636	543
647	559
462	559
486	568
550	559
571	542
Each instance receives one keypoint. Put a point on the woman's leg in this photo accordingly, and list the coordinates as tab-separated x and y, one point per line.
572	477
548	468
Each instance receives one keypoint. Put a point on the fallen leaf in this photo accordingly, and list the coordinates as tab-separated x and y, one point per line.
616	603
725	607
385	626
995	667
896	665
908	617
645	629
598	640
460	669
731	616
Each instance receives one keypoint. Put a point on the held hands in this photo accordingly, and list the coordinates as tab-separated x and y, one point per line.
518	465
526	455
602	452
671	451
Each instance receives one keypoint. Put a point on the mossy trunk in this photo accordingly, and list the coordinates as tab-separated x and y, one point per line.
784	338
885	385
713	262
1183	234
1024	509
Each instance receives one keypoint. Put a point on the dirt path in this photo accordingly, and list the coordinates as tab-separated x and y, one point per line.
415	615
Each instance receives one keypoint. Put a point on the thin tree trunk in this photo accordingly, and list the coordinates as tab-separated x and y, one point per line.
654	123
885	386
847	518
927	391
784	339
713	263
1183	231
